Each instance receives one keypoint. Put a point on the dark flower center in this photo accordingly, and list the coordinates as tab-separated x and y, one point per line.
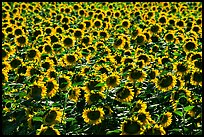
190	45
68	41
95	97
36	92
143	57
15	63
166	81
131	127
134	74
31	54
71	58
111	80
49	86
21	40
93	115
51	116
123	93
197	76
181	68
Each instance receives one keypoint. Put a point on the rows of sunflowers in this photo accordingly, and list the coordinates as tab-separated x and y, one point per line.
101	68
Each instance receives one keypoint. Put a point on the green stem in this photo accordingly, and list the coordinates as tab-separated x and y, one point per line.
65	103
183	119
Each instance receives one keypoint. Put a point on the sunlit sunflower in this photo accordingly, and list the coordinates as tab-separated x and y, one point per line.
93	116
166	82
52	87
37	91
93	85
139	106
179	82
87	40
119	42
144	117
137	75
33	54
47	63
144	57
131	126
70	59
64	82
181	67
97	23
196	78
136	31
68	41
113	80
15	62
189	46
195	56
169	37
74	93
166	119
47	130
197	64
155	28
155	129
93	97
54	116
124	94
140	39
51	73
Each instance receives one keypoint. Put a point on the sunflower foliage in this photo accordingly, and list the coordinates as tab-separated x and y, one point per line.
101	68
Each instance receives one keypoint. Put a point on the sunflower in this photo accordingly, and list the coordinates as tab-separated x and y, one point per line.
93	116
64	82
119	42
196	56
127	59
196	78
54	116
140	39
153	73
93	97
139	106
52	87
51	73
33	54
15	62
113	80
4	76
166	82
189	46
197	64
136	31
37	91
68	41
124	94
144	57
125	23
31	70
137	75
155	28
47	130
78	33
47	48
74	93
166	119
131	126
155	129
92	85
97	23
144	117
181	67
70	59
169	37
164	60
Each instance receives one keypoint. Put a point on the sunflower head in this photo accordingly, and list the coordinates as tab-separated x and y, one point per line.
37	91
196	78
53	116
113	80
93	116
155	130
137	75
139	106
74	93
93	97
47	130
166	82
52	87
166	119
124	94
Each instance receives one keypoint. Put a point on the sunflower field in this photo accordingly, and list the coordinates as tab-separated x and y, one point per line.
101	68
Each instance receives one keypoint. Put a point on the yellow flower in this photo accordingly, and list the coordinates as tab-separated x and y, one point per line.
74	93
139	106
64	82
52	87
47	130
93	97
166	119
196	78
112	80
137	75
37	91
166	82
54	116
124	94
93	116
155	129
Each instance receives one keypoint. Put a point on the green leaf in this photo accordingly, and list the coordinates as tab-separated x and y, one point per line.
178	113
22	94
116	131
71	119
176	54
188	108
100	84
37	119
125	73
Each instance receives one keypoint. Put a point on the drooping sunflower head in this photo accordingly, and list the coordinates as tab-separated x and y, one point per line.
54	116
64	82
47	130
74	93
124	94
37	91
166	82
52	87
93	85
93	116
139	106
137	75
144	117
166	119
93	97
131	126
181	67
155	130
